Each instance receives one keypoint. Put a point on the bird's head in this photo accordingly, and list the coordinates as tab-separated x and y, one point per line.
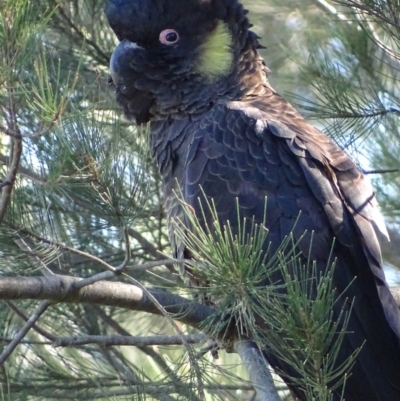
175	57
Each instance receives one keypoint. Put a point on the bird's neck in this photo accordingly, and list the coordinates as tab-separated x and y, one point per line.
247	80
250	74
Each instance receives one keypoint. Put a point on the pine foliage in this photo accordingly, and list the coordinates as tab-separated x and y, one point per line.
79	194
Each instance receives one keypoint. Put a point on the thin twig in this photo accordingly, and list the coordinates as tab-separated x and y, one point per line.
154	263
360	9
86	255
113	271
167	315
382	171
67	249
15	156
127	258
106	275
77	285
105	58
35	327
155	356
368	9
36	261
24	329
333	10
154	390
147	246
142	343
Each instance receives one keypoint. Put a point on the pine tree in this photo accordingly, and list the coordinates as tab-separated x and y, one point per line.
85	261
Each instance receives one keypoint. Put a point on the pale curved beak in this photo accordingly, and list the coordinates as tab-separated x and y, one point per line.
121	60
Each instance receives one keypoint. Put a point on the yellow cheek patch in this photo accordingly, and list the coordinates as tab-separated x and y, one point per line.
216	55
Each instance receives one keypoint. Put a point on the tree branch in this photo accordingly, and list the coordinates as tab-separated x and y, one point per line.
62	288
152	353
258	369
116	340
22	332
381	171
14	158
35	327
58	288
102	56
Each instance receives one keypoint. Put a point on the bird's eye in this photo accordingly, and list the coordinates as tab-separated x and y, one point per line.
169	36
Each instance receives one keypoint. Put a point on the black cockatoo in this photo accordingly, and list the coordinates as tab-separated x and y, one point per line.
192	69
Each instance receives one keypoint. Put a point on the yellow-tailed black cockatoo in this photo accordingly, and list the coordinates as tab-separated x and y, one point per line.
192	69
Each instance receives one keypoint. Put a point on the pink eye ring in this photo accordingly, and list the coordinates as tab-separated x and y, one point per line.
169	37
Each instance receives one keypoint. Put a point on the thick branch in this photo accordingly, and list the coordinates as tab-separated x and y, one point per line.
57	288
259	372
112	340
